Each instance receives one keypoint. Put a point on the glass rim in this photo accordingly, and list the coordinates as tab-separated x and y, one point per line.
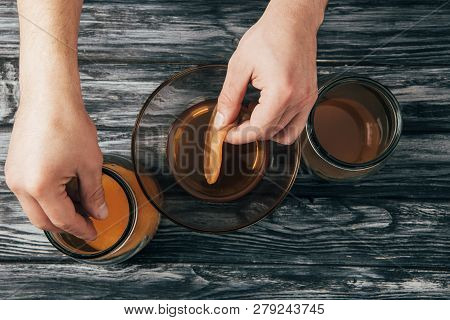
392	103
141	113
132	220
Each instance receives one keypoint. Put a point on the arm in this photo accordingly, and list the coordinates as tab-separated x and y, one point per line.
53	138
278	56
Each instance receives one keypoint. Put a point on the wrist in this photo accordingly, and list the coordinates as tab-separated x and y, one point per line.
304	13
48	73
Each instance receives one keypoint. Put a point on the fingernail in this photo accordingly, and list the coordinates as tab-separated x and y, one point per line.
102	211
218	121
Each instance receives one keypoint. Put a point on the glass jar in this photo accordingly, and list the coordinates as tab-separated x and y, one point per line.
131	224
379	111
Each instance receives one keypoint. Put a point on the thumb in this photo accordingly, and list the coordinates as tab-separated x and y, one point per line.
233	92
92	195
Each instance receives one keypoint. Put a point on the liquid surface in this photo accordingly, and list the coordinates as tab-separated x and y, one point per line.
111	229
347	130
242	165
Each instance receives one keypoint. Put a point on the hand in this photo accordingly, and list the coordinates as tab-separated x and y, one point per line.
277	56
54	140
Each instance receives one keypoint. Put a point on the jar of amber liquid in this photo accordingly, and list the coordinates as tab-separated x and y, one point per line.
131	224
353	128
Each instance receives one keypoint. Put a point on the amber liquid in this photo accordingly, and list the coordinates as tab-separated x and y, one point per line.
347	130
111	229
242	165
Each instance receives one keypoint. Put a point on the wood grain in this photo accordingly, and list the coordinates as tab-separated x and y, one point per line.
210	281
114	92
419	169
361	232
179	31
385	237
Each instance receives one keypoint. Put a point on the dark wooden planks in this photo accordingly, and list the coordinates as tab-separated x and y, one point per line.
345	244
393	32
210	281
364	232
419	169
114	92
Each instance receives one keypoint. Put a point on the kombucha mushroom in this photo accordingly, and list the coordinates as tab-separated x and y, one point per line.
213	149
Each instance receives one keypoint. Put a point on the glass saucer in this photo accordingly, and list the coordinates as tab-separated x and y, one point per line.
150	139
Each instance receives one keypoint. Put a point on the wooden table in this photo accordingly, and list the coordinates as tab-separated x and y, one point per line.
385	237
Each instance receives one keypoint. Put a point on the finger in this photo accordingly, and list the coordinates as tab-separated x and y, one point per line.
61	212
292	131
91	193
271	105
244	133
35	213
263	123
286	118
232	93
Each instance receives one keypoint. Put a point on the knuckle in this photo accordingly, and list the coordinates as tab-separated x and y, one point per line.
237	65
224	99
61	224
243	39
12	180
310	95
257	129
268	133
290	140
288	90
247	36
285	88
264	130
281	99
232	61
37	185
97	198
286	140
41	224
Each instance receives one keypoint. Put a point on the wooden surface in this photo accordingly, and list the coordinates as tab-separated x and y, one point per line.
385	237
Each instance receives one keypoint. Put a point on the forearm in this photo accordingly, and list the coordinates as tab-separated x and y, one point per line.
48	45
304	13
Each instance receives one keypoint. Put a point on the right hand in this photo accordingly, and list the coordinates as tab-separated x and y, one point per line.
53	141
277	56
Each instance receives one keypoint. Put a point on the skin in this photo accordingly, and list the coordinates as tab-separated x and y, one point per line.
277	56
54	140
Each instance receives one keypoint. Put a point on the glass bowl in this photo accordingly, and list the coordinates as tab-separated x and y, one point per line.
150	158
